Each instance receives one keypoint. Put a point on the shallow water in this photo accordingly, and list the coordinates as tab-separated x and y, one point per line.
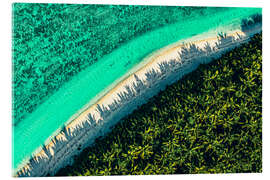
34	130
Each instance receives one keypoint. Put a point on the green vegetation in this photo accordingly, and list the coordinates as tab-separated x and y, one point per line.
208	122
53	42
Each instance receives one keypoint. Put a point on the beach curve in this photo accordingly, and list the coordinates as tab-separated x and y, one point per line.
62	156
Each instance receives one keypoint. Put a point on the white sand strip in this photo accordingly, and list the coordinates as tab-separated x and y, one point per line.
169	65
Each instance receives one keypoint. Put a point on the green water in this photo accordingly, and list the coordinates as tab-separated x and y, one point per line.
36	128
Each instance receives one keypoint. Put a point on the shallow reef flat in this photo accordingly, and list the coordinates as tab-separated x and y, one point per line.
53	42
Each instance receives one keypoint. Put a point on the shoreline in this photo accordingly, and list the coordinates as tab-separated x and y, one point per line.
151	62
91	83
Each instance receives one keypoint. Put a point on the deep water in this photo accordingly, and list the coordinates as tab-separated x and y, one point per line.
37	127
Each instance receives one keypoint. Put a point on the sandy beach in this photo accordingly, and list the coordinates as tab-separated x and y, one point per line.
61	155
163	55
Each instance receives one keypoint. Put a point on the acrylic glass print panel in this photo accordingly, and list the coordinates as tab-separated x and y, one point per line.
118	90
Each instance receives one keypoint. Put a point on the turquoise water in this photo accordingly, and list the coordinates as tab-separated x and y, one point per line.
34	130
